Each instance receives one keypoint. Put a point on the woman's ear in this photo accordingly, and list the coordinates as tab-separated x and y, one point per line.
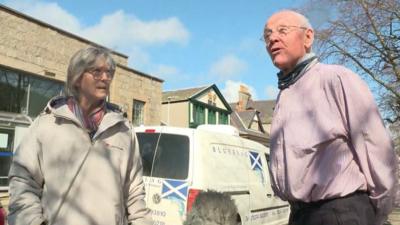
77	83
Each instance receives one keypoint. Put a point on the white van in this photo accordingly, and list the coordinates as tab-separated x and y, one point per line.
12	128
178	163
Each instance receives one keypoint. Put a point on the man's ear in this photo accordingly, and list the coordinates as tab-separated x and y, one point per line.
309	39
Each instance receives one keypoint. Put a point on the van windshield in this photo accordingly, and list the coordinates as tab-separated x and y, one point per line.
172	158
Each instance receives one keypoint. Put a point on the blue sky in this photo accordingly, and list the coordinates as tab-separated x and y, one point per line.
186	43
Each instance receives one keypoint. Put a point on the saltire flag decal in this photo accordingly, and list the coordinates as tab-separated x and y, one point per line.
255	161
174	188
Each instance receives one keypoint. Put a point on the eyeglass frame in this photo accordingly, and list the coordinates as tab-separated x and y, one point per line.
280	32
97	73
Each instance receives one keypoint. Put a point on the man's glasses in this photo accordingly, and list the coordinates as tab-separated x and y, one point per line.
282	31
97	73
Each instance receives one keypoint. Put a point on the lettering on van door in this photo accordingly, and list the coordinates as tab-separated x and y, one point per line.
271	213
228	150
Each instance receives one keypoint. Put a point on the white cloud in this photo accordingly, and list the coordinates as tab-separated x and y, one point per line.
231	90
49	12
271	91
228	66
123	30
118	30
138	57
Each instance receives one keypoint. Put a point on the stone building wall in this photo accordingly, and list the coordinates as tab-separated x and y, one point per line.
32	46
129	86
35	47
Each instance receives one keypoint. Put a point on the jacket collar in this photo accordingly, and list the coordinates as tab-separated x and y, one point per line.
110	119
59	108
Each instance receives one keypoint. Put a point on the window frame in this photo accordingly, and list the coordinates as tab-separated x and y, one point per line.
223	118
212	116
164	150
138	121
199	115
22	86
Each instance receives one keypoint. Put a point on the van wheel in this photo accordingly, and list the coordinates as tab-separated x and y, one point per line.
238	220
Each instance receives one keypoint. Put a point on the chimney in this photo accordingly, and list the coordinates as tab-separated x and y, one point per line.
244	97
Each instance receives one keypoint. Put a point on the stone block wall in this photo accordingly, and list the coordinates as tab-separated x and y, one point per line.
128	86
35	47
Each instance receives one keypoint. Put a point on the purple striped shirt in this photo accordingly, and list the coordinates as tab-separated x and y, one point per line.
328	140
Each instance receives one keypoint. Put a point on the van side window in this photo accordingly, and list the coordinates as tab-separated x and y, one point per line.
172	158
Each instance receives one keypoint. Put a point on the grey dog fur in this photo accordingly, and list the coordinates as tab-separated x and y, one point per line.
212	208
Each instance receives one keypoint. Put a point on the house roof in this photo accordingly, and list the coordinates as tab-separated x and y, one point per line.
192	94
247	116
242	126
265	107
182	94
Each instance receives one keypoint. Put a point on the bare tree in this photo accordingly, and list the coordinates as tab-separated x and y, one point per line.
395	130
365	36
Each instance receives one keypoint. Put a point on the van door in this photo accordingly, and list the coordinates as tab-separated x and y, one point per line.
260	195
165	159
224	168
276	211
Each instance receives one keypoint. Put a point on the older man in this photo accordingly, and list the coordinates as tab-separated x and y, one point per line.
331	156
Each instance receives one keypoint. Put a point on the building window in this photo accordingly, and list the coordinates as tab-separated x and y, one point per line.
212	119
199	116
26	93
223	118
138	113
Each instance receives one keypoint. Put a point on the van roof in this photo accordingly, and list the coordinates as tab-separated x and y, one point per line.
224	129
191	131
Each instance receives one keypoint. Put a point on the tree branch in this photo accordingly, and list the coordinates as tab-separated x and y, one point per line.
368	71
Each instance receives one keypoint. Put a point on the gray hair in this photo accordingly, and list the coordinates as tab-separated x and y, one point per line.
82	61
212	208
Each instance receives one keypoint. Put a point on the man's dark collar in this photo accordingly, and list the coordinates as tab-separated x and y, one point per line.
285	80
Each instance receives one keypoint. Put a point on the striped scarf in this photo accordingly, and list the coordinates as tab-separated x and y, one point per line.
92	121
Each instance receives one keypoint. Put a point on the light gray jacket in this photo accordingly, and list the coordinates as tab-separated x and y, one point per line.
108	189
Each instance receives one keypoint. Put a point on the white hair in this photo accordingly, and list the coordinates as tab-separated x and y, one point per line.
303	21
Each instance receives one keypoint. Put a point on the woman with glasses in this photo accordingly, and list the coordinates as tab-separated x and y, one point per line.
80	163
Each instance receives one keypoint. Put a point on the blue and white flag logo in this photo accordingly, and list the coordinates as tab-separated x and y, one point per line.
174	189
255	161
